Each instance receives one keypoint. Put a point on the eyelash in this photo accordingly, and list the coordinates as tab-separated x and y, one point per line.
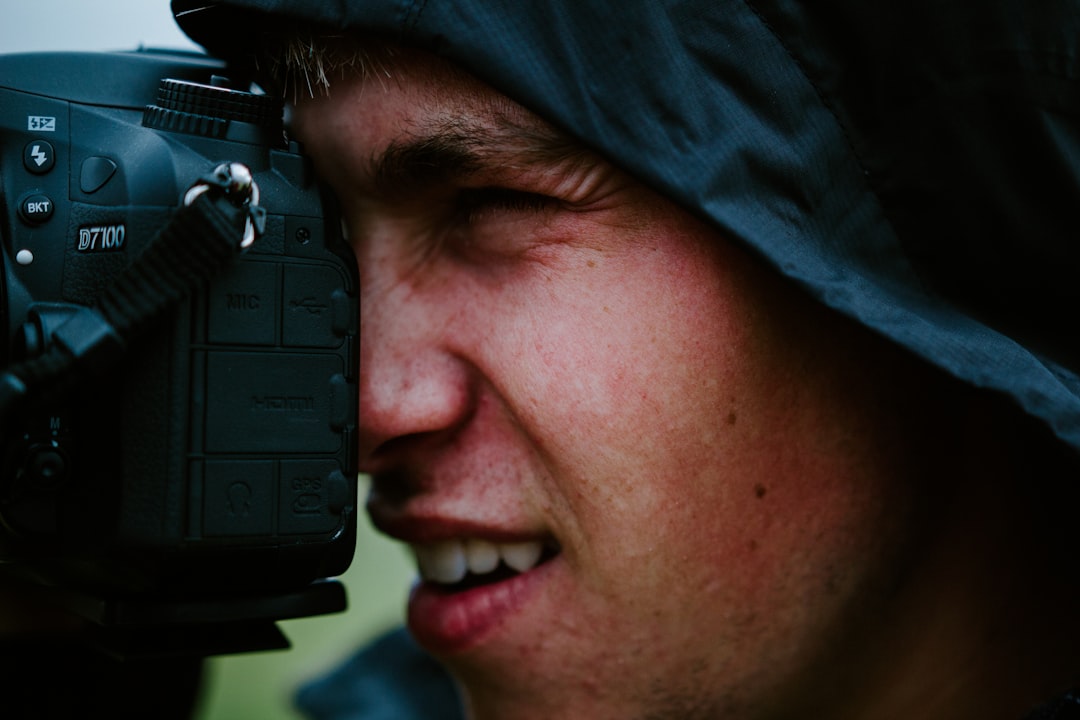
474	203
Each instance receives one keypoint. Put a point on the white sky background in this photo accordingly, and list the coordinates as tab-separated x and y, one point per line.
31	25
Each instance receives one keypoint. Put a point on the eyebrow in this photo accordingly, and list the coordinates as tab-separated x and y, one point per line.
462	147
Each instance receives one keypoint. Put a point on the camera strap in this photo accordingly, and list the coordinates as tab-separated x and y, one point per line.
219	217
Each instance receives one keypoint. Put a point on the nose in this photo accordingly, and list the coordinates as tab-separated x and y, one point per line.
415	387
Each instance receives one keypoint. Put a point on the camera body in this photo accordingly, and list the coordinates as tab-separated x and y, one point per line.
216	458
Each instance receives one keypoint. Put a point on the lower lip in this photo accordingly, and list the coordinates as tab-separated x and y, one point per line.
448	622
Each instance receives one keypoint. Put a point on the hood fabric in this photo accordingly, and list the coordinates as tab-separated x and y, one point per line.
914	165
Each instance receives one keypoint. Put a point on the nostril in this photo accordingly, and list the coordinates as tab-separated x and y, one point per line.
395	486
380	455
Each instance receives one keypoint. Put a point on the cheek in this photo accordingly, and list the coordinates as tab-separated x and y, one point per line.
624	375
688	444
637	348
620	359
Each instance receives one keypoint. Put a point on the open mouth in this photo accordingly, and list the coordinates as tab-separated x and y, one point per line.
463	564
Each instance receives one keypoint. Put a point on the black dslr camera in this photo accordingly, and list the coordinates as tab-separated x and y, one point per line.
183	467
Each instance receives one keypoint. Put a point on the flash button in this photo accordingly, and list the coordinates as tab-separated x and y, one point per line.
39	157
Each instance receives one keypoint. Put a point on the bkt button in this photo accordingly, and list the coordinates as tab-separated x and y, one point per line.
36	209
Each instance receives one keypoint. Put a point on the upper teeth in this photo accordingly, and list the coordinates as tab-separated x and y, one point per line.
449	561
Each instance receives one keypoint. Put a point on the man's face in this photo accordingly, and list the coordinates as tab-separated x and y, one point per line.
701	473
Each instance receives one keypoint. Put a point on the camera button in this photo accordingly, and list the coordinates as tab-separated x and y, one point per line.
47	465
96	171
36	209
39	157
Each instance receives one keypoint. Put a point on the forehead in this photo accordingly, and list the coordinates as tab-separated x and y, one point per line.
405	87
402	110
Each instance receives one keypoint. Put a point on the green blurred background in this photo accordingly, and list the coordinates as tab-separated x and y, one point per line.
260	686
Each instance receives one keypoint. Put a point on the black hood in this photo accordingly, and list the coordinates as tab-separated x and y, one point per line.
914	165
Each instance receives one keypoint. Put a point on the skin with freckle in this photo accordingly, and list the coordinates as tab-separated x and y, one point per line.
726	467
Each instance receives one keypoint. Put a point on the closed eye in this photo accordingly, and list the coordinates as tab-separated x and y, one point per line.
477	204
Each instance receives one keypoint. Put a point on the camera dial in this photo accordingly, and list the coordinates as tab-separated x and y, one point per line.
215	111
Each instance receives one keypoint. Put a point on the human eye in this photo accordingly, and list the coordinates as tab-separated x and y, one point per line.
493	222
482	204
